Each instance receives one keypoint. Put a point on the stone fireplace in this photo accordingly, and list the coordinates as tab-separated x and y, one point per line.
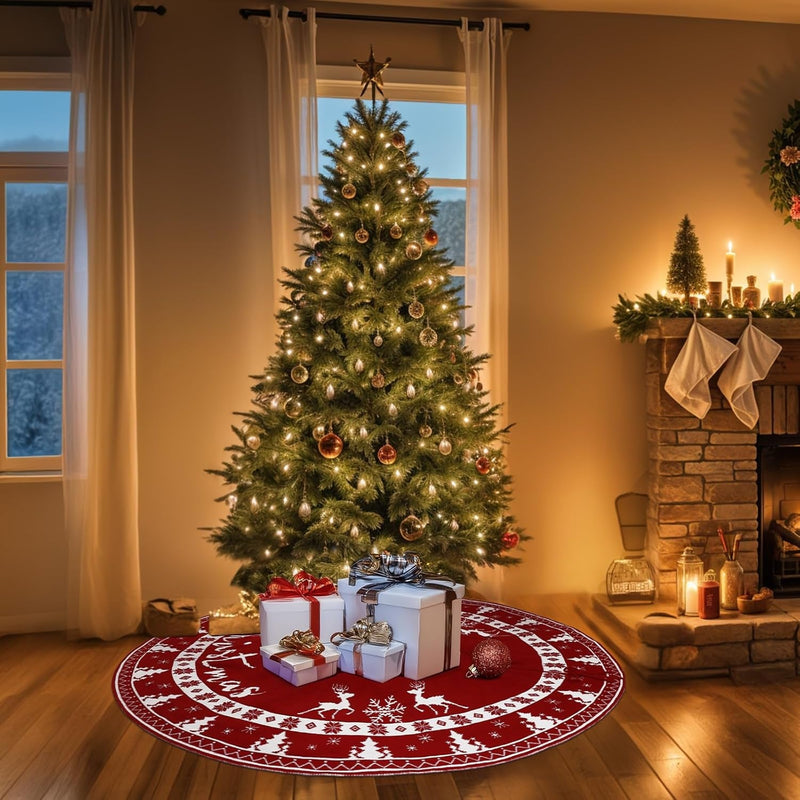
705	474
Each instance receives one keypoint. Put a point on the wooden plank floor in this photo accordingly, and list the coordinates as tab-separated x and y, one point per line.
63	736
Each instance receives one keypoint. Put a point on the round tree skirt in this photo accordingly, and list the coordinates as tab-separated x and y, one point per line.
211	695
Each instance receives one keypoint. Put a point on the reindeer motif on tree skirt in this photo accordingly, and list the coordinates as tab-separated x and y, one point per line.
437	701
342	704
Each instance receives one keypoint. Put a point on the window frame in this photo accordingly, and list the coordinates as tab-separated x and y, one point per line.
421	86
28	74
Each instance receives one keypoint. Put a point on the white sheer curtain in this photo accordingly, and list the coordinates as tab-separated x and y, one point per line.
487	200
100	453
291	51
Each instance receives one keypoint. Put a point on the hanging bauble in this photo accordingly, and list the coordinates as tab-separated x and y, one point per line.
509	540
411	392
411	528
275	402
395	231
416	309
452	355
445	446
326	232
420	187
311	261
478	387
458	379
350	287
398	140
490	659
411	168
362	483
320	316
431	237
293	408
429	373
377	380
330	445
474	375
387	454
304	509
354	531
363	432
425	430
231	500
378	340
362	235
330	392
253	441
392	410
453	525
413	250
428	336
431	490
318	432
483	465
299	374
359	365
348	191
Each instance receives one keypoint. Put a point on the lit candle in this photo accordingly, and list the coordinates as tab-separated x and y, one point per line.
691	598
729	260
775	290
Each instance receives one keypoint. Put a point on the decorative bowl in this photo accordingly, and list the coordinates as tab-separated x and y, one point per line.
749	605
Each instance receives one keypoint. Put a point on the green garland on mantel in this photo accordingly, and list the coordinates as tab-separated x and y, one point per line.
631	316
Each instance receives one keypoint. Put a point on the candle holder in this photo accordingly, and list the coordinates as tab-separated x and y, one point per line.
714	297
751	296
688	579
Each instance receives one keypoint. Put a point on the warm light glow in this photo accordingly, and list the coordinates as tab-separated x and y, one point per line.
730	247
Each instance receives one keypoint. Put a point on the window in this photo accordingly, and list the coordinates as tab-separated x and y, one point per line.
433	105
34	143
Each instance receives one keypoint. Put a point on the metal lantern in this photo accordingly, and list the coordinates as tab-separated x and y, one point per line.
688	580
631	579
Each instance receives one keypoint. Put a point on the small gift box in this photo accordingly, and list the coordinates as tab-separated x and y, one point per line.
300	658
306	602
237	618
423	610
367	649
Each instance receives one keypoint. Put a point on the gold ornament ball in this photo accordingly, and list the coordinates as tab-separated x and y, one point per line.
348	191
428	337
411	168
304	510
299	374
293	408
387	454
413	250
425	430
378	340
362	235
318	432
253	441
431	237
378	381
420	187
411	528
330	445
483	465
416	309
395	231
445	447
398	140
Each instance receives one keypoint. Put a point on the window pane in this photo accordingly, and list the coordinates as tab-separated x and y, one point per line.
34	121
36	222
451	222
444	155
34	412
34	314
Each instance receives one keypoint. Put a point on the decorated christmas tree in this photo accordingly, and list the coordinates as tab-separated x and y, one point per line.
687	272
370	428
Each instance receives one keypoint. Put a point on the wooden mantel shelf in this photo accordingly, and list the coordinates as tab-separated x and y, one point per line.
679	327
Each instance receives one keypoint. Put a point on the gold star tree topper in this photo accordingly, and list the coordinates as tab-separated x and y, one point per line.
371	73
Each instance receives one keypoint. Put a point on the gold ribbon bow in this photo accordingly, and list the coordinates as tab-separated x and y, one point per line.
366	632
303	642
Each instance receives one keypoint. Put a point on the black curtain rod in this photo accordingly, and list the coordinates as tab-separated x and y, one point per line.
160	10
453	23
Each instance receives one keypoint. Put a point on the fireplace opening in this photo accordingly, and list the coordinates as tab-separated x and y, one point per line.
779	514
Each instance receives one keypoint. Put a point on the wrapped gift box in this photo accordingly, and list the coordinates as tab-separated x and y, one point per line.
279	615
299	669
377	662
418	616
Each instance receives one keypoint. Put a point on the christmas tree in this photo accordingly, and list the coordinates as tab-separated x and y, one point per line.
370	428
687	273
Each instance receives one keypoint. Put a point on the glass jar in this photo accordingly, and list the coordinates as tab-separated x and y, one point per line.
751	296
731	584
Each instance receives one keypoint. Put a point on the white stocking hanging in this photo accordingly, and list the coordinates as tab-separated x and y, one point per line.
756	354
702	355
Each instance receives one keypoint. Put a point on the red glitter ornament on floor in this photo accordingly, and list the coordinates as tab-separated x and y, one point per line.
490	659
509	540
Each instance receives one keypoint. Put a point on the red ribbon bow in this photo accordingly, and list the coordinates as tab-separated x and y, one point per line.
303	585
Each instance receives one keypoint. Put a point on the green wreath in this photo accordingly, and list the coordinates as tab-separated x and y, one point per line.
783	167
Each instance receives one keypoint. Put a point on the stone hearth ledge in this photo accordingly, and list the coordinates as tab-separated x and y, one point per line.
749	648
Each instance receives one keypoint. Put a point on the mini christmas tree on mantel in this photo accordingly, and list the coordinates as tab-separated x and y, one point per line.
370	428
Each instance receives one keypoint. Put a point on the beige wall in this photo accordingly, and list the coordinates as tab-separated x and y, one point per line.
619	125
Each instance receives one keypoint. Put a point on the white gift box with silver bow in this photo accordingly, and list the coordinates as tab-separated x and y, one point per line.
418	616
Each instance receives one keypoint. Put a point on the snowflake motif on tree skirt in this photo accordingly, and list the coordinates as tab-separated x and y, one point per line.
390	710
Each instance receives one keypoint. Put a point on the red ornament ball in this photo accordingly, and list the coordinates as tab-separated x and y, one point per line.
330	445
483	465
490	659
509	540
387	454
431	237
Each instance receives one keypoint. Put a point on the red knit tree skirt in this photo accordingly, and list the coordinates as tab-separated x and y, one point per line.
211	695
